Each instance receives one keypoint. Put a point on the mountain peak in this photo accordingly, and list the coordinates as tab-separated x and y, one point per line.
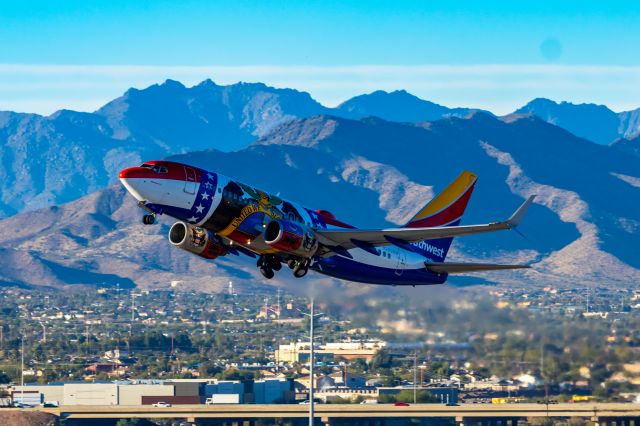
590	121
169	83
207	83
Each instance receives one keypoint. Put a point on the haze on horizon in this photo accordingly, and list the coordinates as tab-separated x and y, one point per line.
490	54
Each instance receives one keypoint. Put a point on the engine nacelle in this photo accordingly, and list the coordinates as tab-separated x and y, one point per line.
195	240
290	237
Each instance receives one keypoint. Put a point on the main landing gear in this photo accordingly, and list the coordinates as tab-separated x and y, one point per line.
300	267
149	219
268	264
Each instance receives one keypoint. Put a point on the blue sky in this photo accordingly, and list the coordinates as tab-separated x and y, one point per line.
489	54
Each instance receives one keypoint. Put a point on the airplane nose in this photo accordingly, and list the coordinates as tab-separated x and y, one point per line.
132	173
131	179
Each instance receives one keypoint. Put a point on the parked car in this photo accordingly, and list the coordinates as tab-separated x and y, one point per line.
315	400
401	404
22	405
161	404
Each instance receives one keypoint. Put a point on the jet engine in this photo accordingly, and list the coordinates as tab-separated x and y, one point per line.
195	240
291	237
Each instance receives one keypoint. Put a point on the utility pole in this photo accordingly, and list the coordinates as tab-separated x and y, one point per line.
44	333
86	335
415	376
311	401
22	369
133	312
311	314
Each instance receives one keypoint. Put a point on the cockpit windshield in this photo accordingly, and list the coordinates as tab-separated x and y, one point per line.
157	169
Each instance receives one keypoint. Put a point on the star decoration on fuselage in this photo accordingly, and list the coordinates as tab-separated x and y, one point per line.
204	198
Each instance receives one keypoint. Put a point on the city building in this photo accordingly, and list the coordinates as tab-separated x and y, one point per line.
299	351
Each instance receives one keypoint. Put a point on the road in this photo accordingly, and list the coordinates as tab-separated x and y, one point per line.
329	411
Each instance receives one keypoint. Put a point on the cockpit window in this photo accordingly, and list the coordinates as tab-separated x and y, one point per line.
157	169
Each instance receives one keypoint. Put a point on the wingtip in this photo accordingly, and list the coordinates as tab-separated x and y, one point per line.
517	216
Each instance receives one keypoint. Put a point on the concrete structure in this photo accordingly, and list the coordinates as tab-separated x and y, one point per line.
190	388
367	393
485	414
265	391
273	390
50	393
132	394
299	351
227	387
173	400
29	397
90	394
97	393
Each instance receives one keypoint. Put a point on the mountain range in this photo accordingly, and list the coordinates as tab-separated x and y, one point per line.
590	121
372	160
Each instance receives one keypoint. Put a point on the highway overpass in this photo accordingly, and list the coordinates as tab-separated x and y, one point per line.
620	414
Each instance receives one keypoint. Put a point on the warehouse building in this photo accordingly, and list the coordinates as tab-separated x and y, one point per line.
147	392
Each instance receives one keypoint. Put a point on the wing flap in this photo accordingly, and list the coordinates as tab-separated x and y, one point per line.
461	268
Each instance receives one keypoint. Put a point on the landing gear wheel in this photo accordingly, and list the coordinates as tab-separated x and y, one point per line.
266	272
148	219
291	263
301	268
275	264
300	272
269	262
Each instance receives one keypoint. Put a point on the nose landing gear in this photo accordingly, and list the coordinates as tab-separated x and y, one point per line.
149	219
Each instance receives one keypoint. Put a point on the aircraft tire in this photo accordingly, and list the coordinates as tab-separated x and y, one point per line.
301	268
266	272
275	264
300	272
148	219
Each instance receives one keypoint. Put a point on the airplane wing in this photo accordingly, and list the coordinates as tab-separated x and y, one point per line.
461	268
351	238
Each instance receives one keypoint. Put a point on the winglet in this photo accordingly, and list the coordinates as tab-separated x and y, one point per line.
517	216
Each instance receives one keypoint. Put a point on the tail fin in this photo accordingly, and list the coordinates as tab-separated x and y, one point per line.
446	209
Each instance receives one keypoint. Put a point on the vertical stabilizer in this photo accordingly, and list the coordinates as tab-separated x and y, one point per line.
446	209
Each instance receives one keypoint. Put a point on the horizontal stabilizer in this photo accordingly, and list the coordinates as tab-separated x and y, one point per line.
461	268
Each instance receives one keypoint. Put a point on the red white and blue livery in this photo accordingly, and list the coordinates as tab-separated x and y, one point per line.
217	216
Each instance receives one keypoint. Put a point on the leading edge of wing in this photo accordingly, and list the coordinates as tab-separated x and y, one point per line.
461	268
350	238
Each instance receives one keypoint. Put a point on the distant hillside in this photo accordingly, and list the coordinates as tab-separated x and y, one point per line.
594	122
396	106
628	146
369	172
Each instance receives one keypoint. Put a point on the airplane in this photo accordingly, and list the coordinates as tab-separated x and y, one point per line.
216	216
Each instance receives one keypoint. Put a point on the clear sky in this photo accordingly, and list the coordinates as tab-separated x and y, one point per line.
491	54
